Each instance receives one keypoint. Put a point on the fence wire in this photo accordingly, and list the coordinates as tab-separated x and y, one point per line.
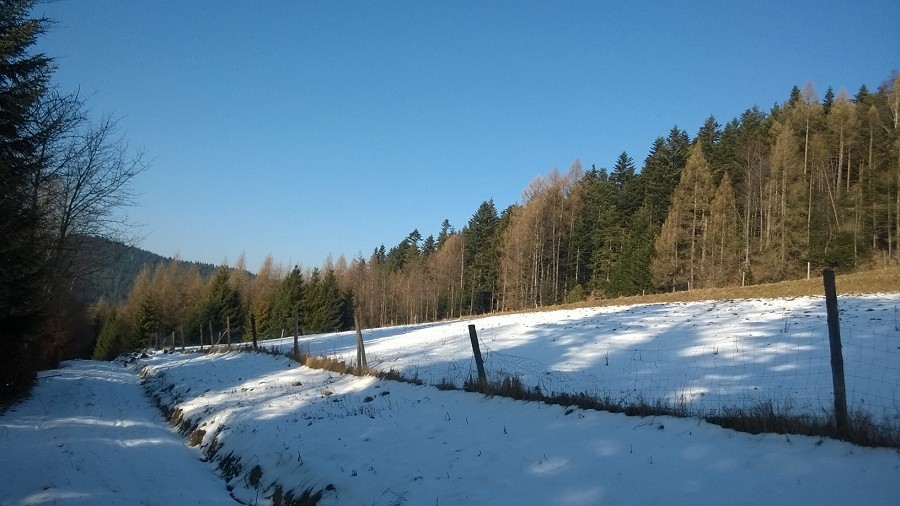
700	357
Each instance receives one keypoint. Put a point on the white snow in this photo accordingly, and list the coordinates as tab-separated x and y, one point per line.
88	435
389	443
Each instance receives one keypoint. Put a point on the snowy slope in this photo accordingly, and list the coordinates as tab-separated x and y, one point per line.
388	443
702	355
87	436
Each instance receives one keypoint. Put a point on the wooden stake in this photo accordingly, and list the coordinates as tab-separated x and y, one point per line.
841	418
296	333
361	363
479	361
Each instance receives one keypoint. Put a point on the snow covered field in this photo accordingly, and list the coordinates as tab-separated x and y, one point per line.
701	355
368	441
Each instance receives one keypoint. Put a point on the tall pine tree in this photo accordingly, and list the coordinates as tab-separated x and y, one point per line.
24	77
482	261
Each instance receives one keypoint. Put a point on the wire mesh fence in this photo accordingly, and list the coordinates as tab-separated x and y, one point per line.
698	357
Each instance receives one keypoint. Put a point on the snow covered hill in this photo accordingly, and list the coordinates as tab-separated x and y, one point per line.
702	356
276	429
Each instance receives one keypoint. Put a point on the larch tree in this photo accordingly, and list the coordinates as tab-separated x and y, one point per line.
724	238
681	249
893	100
263	288
784	208
751	160
446	268
843	126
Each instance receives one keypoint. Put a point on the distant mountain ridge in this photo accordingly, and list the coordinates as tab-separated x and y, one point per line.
114	279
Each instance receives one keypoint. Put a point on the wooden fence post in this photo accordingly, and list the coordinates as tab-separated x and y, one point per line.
228	331
479	362
182	337
296	333
201	337
361	362
211	335
253	328
841	418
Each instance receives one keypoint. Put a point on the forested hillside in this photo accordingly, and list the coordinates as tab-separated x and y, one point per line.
810	184
766	197
113	278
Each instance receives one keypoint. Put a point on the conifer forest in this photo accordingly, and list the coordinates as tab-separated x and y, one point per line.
768	196
811	183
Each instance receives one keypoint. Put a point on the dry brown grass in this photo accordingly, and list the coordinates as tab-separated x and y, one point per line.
874	281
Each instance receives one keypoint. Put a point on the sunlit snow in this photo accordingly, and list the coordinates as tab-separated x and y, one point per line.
89	436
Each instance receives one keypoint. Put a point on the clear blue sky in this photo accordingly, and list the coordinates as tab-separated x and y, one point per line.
299	129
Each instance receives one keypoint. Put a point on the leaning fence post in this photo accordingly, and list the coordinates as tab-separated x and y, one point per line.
296	334
479	362
253	328
841	418
361	362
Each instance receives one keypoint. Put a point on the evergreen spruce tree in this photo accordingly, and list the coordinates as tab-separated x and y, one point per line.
445	233
112	341
627	197
288	300
323	304
314	305
709	136
601	201
24	78
632	275
148	322
607	248
661	172
862	95
429	246
223	305
333	311
795	96
828	101
592	196
482	260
